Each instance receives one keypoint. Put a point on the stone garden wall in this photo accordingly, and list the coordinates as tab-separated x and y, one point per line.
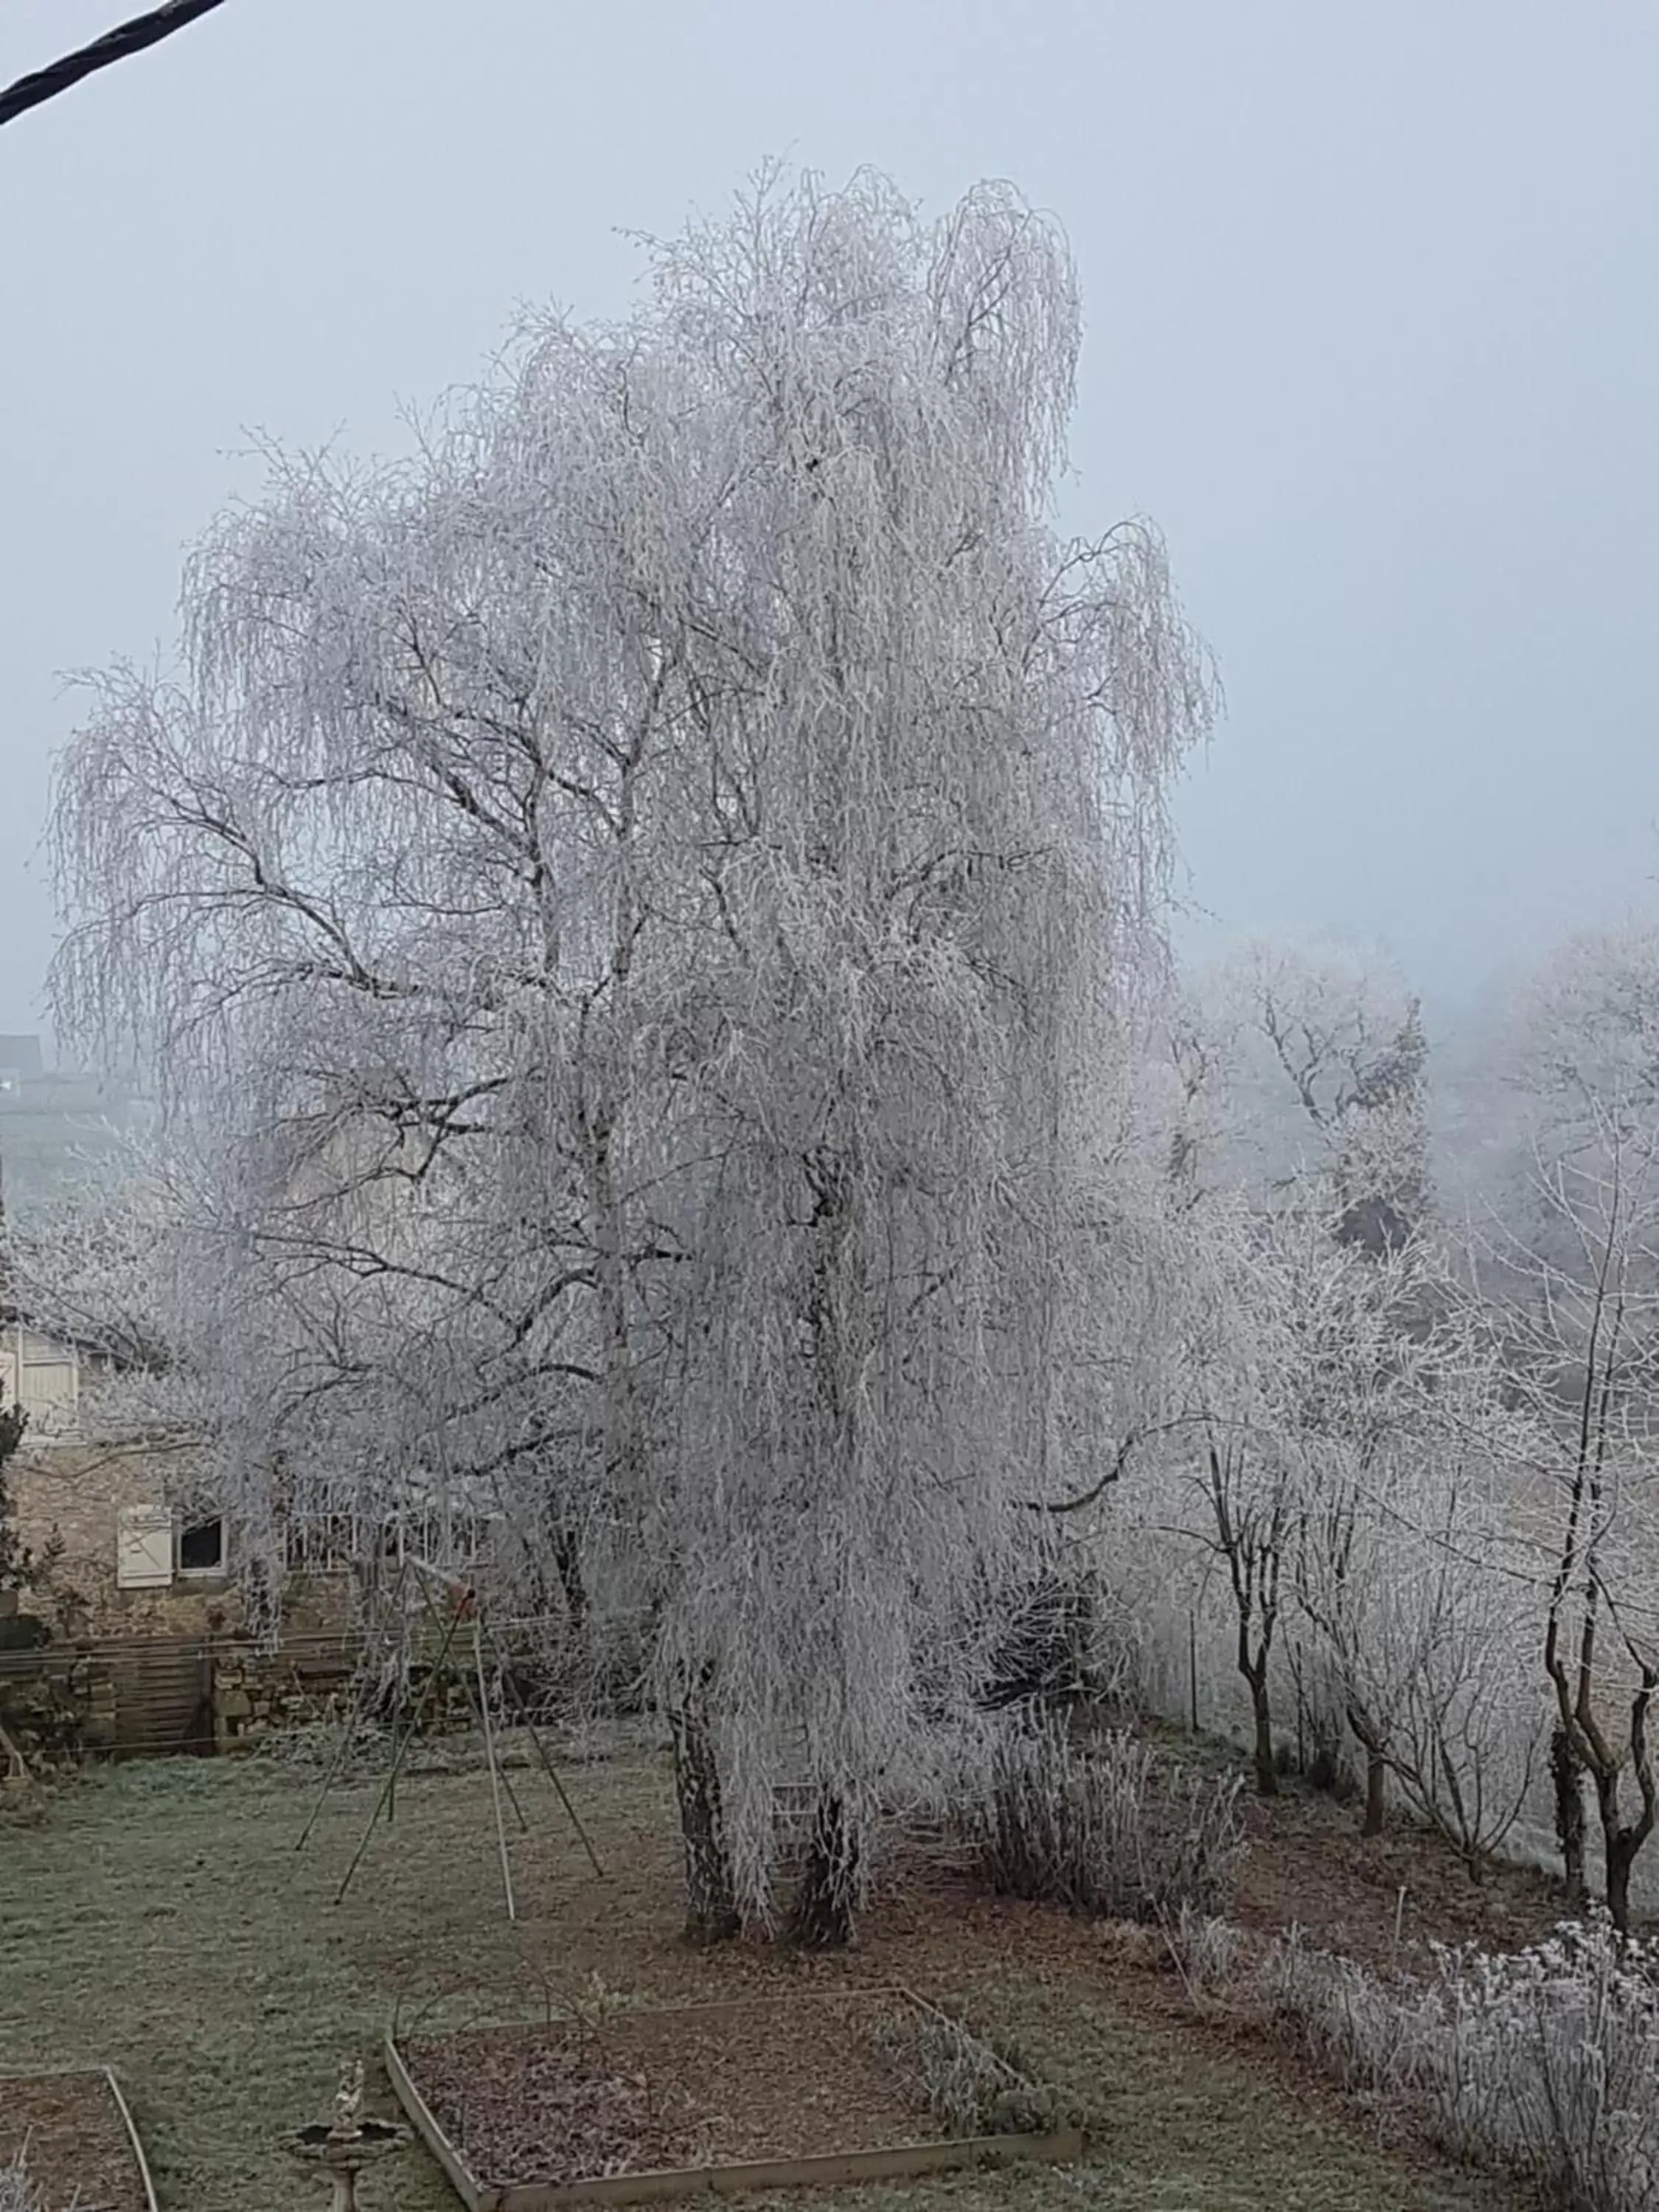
255	1692
256	1695
63	1703
57	1709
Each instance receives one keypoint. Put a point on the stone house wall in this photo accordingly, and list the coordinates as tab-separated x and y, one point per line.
74	1494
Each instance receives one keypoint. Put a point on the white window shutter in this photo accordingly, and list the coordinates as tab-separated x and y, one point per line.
143	1548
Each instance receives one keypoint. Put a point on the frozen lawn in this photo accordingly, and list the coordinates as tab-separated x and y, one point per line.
161	1921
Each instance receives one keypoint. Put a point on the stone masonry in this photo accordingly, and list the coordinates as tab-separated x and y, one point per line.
75	1494
56	1711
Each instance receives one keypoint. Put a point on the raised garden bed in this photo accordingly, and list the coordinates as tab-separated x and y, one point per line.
866	2085
76	2137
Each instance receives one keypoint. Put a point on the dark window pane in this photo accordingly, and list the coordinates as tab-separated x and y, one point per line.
202	1549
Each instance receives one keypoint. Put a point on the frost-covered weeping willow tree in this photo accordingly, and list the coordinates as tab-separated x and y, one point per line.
661	880
938	746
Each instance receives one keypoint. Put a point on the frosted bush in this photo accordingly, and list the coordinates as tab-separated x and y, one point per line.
1355	2026
19	2192
1552	2057
1100	1828
970	2087
1544	2063
1208	1950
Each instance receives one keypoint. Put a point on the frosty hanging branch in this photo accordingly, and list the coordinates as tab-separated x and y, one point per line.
131	38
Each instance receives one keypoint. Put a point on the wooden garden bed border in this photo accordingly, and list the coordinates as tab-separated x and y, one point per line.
107	2074
1060	2147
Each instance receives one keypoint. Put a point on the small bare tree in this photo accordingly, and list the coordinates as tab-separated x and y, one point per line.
1329	1062
1253	1505
1296	1353
1407	1559
1466	1746
1580	1304
1609	1322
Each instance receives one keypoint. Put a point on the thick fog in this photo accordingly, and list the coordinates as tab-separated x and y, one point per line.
1372	333
620	1050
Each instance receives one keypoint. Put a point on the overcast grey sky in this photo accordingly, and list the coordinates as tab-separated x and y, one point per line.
1373	315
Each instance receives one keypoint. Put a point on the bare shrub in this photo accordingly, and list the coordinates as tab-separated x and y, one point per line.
18	2192
970	2088
1543	2063
1068	1640
1100	1827
1552	2058
1209	1952
24	1804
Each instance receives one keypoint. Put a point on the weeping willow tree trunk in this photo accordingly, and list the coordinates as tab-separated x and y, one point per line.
566	1588
825	1903
837	1321
711	1915
568	1565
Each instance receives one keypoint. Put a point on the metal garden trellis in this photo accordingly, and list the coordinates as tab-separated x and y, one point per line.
462	1610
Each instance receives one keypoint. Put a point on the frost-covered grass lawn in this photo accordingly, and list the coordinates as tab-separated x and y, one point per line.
161	1921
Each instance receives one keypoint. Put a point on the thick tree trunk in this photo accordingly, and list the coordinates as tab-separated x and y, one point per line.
1622	1840
1567	1775
825	1902
568	1564
1376	1774
573	1589
1620	1844
1267	1767
711	1903
1622	1847
1377	1793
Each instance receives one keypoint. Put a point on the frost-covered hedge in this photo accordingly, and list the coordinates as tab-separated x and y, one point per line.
1544	2063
